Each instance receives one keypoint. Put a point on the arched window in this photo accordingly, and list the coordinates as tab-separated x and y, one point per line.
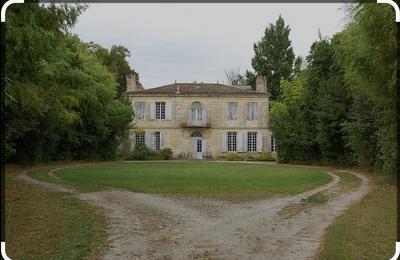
196	134
197	111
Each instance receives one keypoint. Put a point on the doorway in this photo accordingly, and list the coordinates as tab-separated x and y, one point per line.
197	145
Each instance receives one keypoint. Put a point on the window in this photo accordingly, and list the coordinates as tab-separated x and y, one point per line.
231	141
273	144
252	141
140	138
197	111
199	146
139	110
160	110
157	140
232	110
252	111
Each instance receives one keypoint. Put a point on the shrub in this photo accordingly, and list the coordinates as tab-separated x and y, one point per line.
265	157
249	157
164	154
234	157
142	153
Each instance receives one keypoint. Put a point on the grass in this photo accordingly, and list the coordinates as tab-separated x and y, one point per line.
318	198
192	178
368	229
42	224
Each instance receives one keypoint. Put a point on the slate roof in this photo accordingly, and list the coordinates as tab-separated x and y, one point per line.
194	89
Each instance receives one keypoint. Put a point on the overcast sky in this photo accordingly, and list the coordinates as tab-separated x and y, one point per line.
188	42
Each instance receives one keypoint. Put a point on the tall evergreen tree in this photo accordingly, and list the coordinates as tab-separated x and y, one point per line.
274	56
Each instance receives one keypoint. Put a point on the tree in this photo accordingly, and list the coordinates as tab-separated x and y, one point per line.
60	100
274	56
366	50
116	62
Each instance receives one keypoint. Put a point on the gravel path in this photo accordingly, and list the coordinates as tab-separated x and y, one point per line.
144	226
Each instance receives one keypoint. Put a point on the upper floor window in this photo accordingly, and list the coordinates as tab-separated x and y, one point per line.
252	141
231	141
139	110
252	112
160	110
273	144
232	110
197	111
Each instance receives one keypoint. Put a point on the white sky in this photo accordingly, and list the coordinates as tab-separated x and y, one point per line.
188	42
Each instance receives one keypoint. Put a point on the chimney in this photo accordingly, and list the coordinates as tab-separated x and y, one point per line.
131	83
261	84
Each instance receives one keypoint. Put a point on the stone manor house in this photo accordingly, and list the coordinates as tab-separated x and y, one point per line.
201	120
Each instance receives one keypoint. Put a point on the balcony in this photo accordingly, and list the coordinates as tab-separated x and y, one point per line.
197	118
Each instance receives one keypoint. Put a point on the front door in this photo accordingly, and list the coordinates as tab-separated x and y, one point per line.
197	148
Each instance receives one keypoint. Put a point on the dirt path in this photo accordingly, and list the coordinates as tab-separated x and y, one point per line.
144	226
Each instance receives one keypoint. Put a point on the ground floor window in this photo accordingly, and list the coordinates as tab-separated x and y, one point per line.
273	144
157	140
139	138
231	141
252	141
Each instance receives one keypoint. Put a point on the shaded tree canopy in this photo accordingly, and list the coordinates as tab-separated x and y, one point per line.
60	100
340	108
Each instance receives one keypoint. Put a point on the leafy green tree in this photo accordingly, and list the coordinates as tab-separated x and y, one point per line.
367	52
60	101
274	56
326	104
116	62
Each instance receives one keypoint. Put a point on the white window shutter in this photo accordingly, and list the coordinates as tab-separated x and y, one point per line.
133	142
259	142
239	141
147	139
248	111
244	136
162	140
204	144
152	110
168	110
256	111
194	148
223	142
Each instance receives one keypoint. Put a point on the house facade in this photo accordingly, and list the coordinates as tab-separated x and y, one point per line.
202	120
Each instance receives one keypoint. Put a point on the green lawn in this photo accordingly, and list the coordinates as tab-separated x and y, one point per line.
192	178
43	224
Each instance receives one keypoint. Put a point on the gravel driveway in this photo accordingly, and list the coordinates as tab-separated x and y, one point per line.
144	226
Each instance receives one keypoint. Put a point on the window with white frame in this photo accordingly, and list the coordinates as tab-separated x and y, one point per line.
160	110
252	141
157	140
252	111
139	138
232	110
139	110
273	144
231	141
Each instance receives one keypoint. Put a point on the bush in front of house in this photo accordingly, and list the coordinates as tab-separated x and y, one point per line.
234	157
164	154
142	153
267	157
250	157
